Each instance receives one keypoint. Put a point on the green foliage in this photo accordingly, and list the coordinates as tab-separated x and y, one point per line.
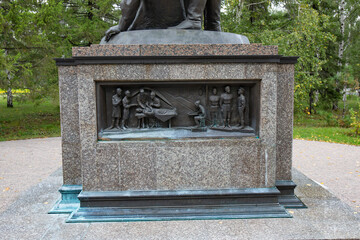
32	33
309	29
329	118
355	120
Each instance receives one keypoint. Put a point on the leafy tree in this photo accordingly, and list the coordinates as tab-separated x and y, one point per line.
299	31
33	32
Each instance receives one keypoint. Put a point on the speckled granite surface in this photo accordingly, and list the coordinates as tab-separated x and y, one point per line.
70	132
194	164
174	50
152	165
285	112
119	166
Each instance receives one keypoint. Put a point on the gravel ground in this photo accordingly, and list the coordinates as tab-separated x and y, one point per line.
25	163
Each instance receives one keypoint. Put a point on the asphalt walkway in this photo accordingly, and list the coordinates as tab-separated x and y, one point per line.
30	174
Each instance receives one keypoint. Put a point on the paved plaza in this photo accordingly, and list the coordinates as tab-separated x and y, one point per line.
327	175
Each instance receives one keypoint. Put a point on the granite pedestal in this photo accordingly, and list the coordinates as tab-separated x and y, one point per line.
186	178
70	142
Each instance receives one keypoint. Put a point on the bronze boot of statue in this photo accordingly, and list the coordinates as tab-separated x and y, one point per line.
212	15
194	12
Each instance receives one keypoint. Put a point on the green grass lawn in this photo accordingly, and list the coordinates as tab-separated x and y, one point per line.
27	120
327	126
326	134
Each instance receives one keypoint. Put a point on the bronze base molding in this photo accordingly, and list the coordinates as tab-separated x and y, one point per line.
178	205
288	199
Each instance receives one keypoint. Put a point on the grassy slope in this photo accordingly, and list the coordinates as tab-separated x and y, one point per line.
27	120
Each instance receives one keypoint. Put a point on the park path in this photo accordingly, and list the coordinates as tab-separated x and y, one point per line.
25	163
334	166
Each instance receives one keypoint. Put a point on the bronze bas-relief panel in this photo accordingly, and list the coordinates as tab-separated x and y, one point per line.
177	110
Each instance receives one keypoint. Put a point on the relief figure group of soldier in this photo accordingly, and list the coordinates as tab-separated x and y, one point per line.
148	111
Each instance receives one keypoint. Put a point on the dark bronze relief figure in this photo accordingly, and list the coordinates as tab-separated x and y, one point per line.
214	102
173	110
241	104
199	118
148	110
162	14
142	100
126	109
226	106
116	109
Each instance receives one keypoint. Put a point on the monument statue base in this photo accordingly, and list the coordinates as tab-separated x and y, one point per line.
137	106
287	198
178	205
69	201
175	36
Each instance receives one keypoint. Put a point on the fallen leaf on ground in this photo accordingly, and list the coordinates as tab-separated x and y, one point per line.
1	178
308	185
45	202
6	189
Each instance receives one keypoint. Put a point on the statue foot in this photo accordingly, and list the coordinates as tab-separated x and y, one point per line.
215	26
188	24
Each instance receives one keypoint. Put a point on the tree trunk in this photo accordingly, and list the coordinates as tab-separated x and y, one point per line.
344	100
9	98
90	14
252	9
311	100
239	10
341	46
